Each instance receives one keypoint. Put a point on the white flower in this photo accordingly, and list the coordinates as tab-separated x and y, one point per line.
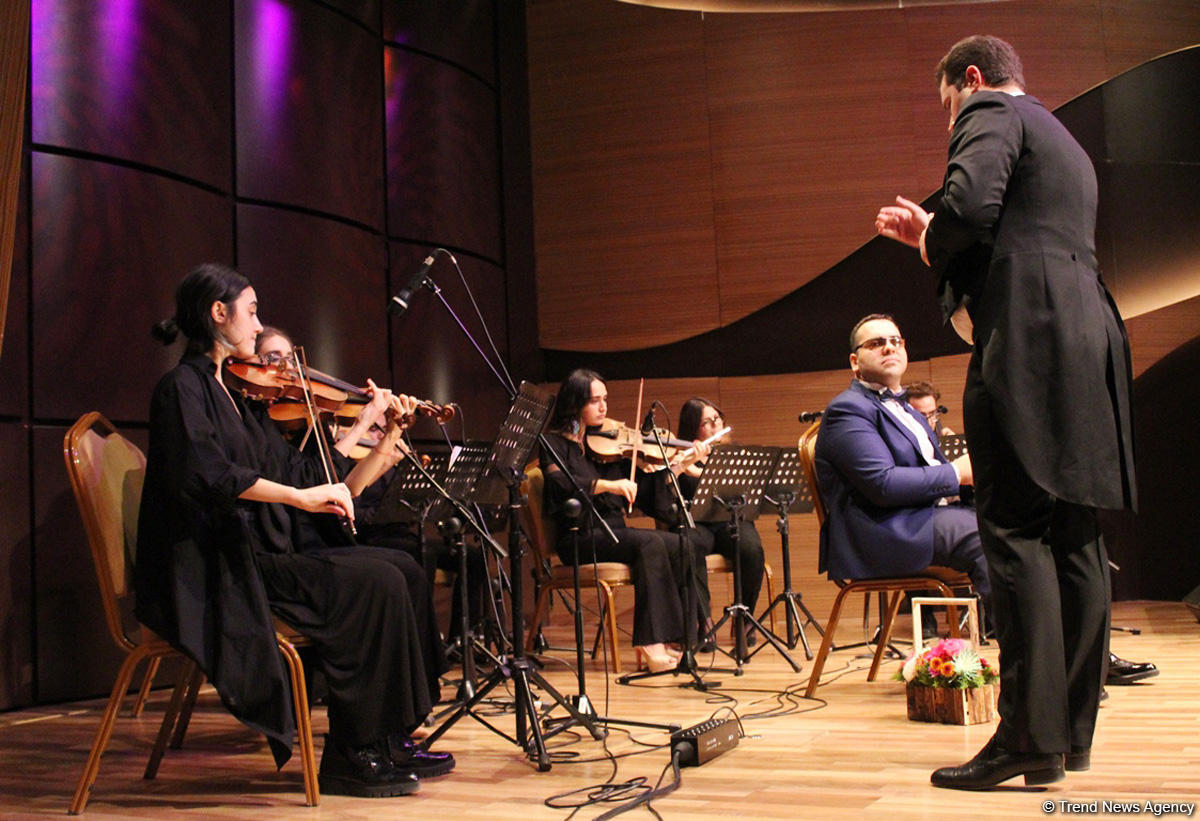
909	670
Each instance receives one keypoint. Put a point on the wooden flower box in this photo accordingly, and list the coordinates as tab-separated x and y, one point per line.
976	705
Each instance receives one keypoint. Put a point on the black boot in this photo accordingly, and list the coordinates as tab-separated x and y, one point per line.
994	764
408	755
365	772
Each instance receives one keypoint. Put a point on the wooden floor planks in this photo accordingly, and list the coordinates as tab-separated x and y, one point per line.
853	754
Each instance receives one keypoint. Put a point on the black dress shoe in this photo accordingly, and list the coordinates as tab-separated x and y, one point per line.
1122	672
366	772
408	755
1079	759
994	765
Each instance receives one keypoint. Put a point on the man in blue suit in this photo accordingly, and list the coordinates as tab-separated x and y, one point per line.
883	477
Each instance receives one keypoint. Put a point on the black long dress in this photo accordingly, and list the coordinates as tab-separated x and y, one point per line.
716	537
211	568
653	555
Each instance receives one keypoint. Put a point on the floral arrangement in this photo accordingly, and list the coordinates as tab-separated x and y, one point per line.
951	664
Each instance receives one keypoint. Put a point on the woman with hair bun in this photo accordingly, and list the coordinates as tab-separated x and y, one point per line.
218	555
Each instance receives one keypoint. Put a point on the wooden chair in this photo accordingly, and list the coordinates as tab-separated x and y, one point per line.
942	579
106	471
606	576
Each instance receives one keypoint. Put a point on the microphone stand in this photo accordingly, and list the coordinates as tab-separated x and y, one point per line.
572	508
528	732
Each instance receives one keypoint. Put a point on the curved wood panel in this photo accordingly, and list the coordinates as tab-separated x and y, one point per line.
1142	130
808	123
16	555
14	354
431	356
442	155
101	278
147	82
462	32
309	116
323	282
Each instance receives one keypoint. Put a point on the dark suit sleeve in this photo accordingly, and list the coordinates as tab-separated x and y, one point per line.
852	444
984	149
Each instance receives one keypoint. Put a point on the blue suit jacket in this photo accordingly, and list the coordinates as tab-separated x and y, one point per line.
878	488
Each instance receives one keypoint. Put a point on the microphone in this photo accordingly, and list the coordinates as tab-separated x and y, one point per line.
399	303
811	416
648	423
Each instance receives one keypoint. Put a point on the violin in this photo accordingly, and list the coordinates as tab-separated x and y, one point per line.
280	385
613	441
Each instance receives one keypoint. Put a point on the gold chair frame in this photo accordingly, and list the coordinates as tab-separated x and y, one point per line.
106	472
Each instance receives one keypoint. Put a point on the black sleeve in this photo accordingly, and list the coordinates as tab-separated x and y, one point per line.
984	149
191	442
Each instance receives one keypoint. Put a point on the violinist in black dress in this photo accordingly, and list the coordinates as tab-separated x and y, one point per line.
658	573
218	555
700	419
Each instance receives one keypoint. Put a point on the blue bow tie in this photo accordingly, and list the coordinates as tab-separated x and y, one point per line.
902	396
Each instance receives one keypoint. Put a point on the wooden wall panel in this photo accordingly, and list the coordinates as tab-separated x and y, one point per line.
813	120
1135	31
294	260
799	126
623	212
364	11
442	162
16	572
461	32
431	357
14	326
309	115
147	82
102	275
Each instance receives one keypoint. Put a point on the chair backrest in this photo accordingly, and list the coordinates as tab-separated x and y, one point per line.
533	521
107	472
807	446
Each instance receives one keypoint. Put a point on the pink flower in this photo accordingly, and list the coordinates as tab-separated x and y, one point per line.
948	648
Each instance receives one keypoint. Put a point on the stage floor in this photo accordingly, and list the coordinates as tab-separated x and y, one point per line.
849	754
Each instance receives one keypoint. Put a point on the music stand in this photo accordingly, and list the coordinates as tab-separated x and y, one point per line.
410	497
503	468
730	490
786	487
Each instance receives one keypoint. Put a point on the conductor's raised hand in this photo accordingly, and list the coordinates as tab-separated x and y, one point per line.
904	222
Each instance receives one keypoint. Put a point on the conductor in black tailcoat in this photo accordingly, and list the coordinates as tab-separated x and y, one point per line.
1046	404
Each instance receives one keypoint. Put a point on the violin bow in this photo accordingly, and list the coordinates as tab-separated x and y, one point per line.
637	442
316	427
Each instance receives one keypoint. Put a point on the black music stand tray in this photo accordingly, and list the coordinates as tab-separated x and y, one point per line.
410	497
500	479
785	488
730	489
